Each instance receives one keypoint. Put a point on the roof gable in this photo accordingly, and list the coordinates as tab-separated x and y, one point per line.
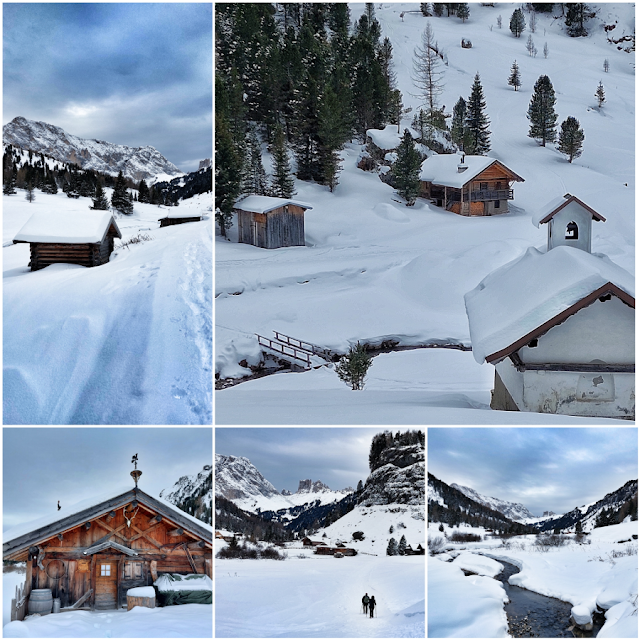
443	169
558	204
69	228
264	204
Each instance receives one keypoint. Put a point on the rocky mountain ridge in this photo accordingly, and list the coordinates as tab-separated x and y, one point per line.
193	494
238	479
136	163
513	510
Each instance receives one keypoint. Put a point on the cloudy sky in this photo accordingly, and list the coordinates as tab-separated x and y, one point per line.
545	469
338	457
133	73
42	466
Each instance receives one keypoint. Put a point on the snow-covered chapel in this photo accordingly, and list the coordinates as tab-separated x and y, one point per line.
558	325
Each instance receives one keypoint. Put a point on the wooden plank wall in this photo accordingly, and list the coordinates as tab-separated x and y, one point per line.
285	229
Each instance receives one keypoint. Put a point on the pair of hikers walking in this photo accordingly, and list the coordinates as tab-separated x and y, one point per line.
368	603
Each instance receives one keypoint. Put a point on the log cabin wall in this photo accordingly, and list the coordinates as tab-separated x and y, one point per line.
44	254
285	227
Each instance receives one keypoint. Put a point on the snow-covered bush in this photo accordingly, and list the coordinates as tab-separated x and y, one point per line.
436	545
456	536
546	542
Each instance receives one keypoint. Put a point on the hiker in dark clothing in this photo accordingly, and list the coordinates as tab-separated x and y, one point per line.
372	606
365	603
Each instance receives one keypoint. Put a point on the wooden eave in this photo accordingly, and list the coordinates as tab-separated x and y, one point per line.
21	543
594	214
513	175
629	300
109	544
112	225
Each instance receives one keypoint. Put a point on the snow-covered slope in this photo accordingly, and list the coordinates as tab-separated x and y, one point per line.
129	342
374	270
134	162
513	510
193	494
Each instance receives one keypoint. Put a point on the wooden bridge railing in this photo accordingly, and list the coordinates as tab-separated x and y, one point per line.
285	350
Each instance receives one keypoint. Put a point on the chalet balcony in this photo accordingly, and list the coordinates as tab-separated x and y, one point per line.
486	195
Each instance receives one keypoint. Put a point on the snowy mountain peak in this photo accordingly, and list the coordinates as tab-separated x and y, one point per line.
513	510
193	494
136	163
238	479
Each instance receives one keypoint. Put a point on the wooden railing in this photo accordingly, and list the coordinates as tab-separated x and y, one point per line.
486	194
326	354
285	350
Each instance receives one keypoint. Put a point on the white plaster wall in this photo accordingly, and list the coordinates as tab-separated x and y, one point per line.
602	331
514	382
558	227
557	392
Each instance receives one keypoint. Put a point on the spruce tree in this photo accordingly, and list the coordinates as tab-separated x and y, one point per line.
254	180
282	181
120	197
330	138
9	188
100	201
73	185
477	122
406	170
577	14
600	95
352	367
541	113
462	11
30	196
143	191
517	23
514	78
402	546
392	547
571	138
228	164
427	75
457	122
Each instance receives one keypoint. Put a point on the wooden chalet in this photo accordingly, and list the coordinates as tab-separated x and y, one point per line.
308	542
84	238
177	217
468	185
89	555
329	551
271	223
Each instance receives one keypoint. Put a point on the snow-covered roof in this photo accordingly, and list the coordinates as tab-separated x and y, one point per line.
517	299
550	209
182	214
443	169
389	138
264	204
69	226
57	516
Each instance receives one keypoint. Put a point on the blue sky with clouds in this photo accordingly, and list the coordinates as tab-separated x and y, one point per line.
339	457
133	73
553	469
72	464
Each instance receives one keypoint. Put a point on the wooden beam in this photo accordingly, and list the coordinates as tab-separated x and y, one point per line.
146	531
146	537
112	514
87	525
156	518
60	536
175	532
196	545
76	604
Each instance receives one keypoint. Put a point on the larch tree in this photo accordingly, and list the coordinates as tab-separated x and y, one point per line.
517	23
571	138
514	79
541	113
530	45
600	95
427	73
477	122
406	170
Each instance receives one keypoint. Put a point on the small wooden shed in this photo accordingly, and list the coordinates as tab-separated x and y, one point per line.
178	217
84	238
270	223
468	185
329	551
90	554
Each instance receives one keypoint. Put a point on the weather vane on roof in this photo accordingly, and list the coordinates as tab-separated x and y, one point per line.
135	474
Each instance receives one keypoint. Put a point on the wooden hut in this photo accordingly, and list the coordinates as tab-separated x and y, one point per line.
308	542
178	217
559	326
269	222
84	238
329	551
468	185
90	554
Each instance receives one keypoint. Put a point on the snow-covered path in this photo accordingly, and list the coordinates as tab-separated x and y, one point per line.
320	597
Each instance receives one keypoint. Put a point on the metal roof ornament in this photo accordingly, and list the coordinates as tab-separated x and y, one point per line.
136	473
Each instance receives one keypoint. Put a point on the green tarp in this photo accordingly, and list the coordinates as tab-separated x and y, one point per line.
199	596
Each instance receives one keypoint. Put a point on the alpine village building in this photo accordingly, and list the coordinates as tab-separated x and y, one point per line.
270	223
559	325
85	238
468	185
177	217
90	554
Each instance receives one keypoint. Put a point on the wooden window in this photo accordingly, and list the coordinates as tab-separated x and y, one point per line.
105	569
572	231
484	186
496	204
498	185
132	570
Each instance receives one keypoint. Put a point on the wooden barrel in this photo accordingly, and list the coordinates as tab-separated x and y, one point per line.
40	601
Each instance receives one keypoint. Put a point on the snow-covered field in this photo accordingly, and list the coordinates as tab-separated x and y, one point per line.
583	575
183	621
129	342
373	269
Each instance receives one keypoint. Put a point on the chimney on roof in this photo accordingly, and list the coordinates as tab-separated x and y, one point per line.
461	166
136	473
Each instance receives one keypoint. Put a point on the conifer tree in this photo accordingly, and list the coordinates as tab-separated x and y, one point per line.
517	23
571	138
541	113
392	547
600	95
120	197
477	122
330	138
396	107
577	14
352	367
605	65
438	8
457	122
9	188
360	487
254	179
427	75
462	11
282	180
100	201
30	196
402	546
228	164
514	78
406	170
143	191
425	9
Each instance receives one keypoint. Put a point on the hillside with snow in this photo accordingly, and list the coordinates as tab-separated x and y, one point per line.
376	271
193	494
513	510
128	342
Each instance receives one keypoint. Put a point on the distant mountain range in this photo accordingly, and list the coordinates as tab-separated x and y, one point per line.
193	494
136	163
513	510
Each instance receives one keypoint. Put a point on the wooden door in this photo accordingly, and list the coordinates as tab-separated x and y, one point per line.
106	583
